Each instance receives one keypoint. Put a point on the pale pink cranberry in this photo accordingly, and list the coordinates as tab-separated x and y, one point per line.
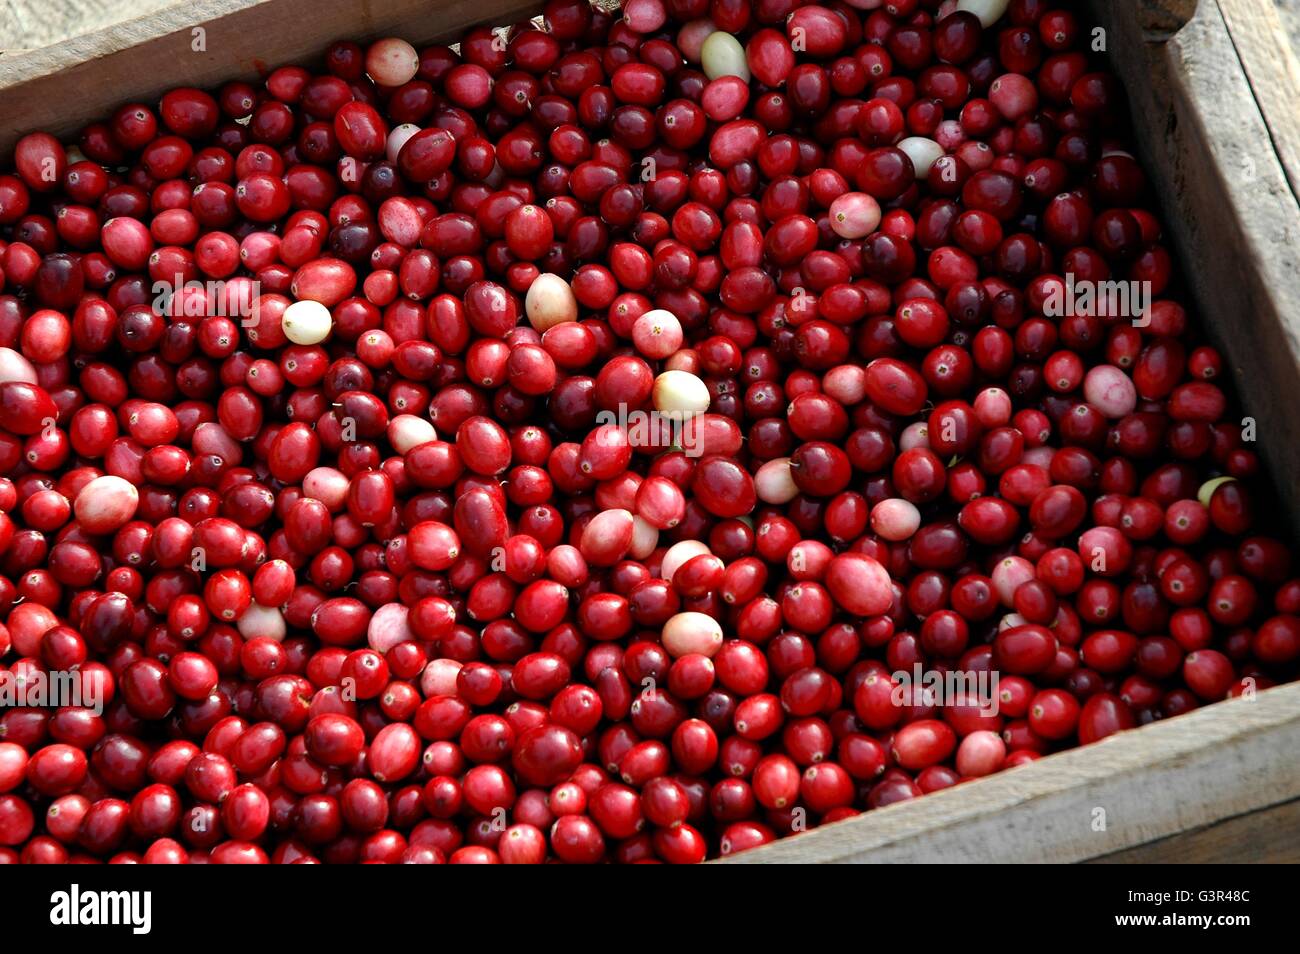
692	633
916	434
949	135
439	677
1009	573
388	627
854	215
657	334
1013	95
1110	391
327	485
406	432
981	753
678	554
106	504
262	622
992	407
895	519
645	538
774	482
400	221
14	367
847	383
644	16
392	62
608	537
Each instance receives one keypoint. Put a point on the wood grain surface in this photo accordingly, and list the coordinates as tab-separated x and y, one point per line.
30	24
1271	835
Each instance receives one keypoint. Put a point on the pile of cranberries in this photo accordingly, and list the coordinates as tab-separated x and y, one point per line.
570	446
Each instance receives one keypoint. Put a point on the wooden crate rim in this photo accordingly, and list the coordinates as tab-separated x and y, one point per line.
23	66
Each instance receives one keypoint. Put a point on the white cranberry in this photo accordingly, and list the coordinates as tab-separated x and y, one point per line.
722	55
398	138
923	152
406	431
307	322
264	622
680	394
988	11
549	302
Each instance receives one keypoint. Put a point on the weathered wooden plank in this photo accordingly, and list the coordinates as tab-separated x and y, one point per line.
1271	69
1130	789
1270	835
32	24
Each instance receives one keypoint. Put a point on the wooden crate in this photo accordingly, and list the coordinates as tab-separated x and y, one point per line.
1212	86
